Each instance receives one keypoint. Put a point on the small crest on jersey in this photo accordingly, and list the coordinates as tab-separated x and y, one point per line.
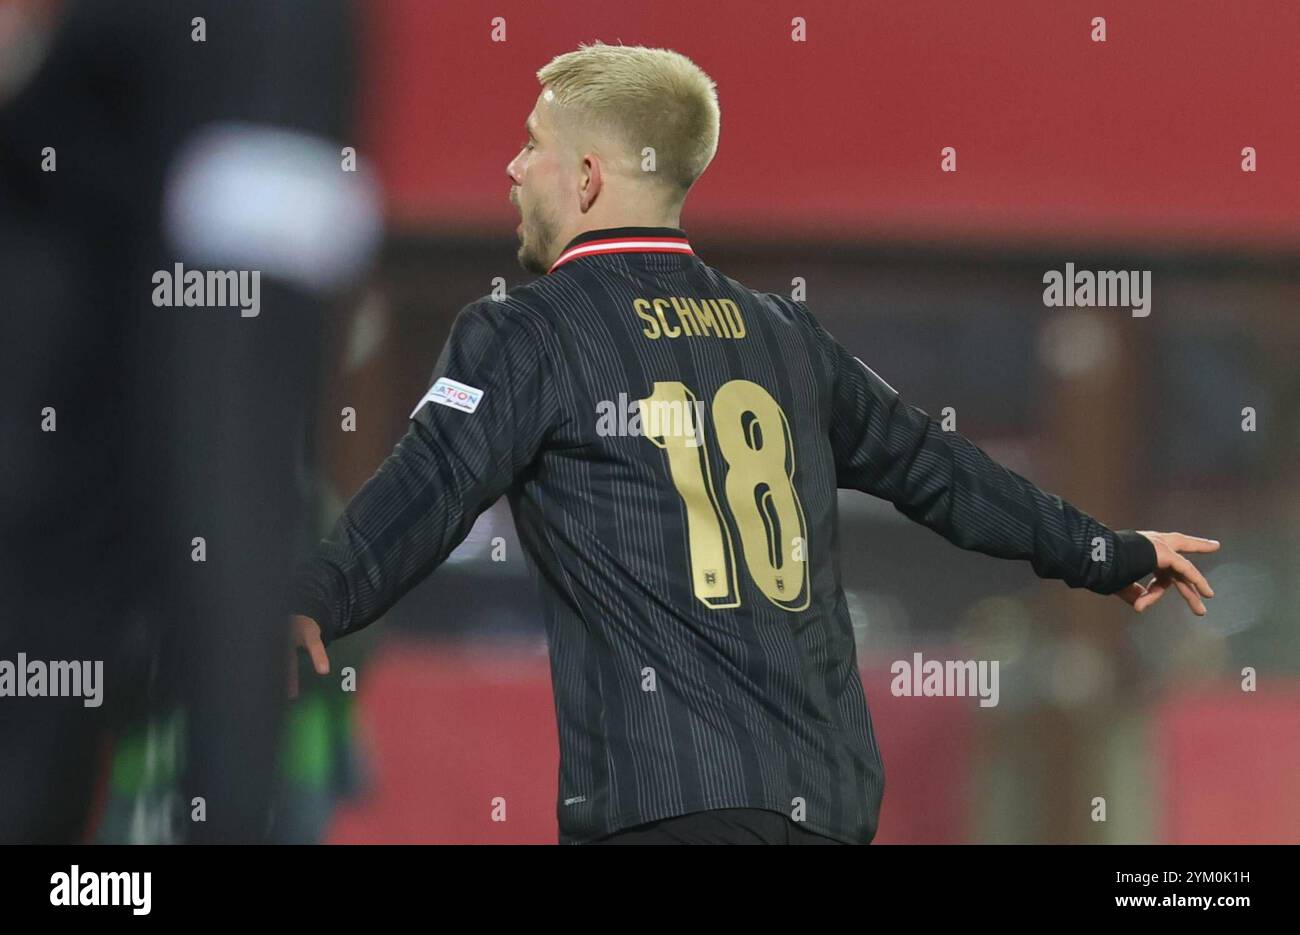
450	393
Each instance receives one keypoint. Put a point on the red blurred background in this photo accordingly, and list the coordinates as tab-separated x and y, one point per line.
1137	139
1128	150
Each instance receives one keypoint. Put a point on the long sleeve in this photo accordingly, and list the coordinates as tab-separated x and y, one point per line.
487	413
941	480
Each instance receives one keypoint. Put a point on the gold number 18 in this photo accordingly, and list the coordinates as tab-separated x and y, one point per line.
754	440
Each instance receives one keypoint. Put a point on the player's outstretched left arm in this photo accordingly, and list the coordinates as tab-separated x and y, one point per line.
945	482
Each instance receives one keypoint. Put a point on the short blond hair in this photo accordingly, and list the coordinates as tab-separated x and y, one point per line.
646	97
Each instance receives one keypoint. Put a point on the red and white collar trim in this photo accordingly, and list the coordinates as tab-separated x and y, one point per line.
623	245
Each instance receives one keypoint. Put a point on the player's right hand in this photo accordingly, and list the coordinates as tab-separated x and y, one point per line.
304	633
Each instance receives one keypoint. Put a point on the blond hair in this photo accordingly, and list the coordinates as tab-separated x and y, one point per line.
644	97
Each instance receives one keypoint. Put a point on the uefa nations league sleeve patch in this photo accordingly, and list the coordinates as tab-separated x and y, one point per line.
450	393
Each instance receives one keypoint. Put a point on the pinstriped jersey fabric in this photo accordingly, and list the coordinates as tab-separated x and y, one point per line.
701	648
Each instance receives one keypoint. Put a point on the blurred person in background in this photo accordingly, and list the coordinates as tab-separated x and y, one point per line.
153	486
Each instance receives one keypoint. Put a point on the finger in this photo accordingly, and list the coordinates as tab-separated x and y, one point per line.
1189	573
1131	593
1155	590
1184	543
1193	599
319	660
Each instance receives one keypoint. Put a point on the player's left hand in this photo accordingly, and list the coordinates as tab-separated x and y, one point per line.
1172	570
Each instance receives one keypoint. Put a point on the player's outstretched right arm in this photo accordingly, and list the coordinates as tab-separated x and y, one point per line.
491	405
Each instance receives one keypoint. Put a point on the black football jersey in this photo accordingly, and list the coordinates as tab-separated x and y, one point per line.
671	444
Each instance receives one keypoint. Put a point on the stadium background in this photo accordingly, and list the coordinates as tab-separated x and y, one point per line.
1117	155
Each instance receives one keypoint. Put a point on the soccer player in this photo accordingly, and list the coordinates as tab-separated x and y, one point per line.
671	444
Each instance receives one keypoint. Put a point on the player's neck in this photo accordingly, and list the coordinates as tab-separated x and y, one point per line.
640	223
630	219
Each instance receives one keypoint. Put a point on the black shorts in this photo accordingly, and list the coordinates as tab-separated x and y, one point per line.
719	826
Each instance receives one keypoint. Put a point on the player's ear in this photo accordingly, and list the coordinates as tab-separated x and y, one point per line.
592	180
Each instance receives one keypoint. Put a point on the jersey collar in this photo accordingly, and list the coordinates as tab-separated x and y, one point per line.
624	240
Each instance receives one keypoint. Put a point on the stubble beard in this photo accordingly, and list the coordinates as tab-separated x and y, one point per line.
538	237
